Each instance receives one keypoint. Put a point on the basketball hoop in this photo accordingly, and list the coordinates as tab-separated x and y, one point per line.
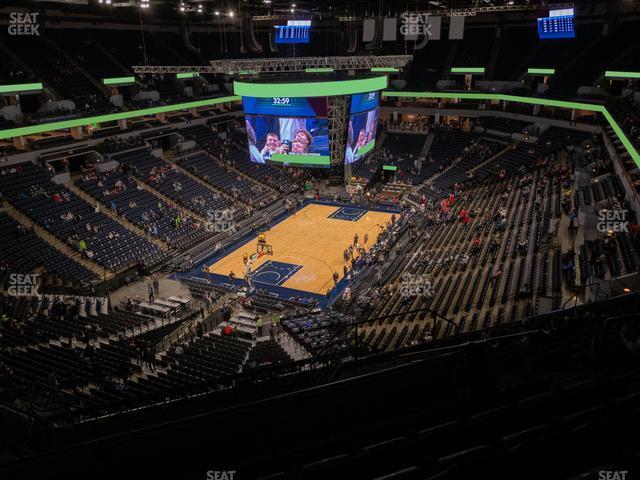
264	249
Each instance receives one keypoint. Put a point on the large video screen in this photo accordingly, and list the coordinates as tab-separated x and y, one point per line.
363	102
559	24
361	137
288	141
295	31
363	122
288	131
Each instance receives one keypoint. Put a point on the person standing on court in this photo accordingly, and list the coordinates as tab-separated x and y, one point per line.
355	240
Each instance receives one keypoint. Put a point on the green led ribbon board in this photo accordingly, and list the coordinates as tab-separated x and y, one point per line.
617	74
187	75
80	122
541	71
306	160
467	70
118	80
21	88
531	101
309	89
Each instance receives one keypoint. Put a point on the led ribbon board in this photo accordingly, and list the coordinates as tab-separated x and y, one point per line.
468	70
531	101
309	89
81	122
541	71
21	88
62	125
118	80
187	75
617	74
314	161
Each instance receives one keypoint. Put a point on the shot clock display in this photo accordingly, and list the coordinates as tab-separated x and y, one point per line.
288	131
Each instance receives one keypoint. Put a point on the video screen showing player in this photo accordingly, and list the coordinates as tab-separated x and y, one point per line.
302	142
361	137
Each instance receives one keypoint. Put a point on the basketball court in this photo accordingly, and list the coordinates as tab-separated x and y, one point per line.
308	247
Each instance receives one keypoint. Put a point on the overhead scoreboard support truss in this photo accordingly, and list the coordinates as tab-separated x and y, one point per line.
338	121
444	12
283	65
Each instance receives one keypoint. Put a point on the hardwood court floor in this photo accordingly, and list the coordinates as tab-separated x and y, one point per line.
310	239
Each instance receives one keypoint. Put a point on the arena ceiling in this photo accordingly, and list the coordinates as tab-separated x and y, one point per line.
300	8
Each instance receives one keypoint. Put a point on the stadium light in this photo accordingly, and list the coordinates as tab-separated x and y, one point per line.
217	12
231	14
